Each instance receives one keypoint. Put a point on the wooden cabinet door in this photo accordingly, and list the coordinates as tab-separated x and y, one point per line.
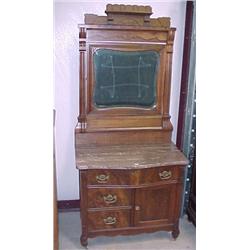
155	205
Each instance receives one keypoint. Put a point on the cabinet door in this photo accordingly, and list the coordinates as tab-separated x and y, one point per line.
155	205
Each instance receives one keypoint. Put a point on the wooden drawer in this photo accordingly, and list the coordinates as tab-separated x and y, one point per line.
109	177
135	177
108	197
108	219
161	174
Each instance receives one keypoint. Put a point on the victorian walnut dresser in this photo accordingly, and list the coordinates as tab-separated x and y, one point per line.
131	174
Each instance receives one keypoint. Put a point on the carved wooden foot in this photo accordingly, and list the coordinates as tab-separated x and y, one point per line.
84	241
175	233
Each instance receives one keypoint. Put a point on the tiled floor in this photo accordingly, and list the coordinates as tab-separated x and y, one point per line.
70	231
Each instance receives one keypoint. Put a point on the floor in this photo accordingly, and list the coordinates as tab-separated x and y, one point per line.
70	231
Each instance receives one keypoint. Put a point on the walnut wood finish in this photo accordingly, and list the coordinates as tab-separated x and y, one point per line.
125	38
120	14
134	178
108	197
131	175
161	174
84	207
138	201
120	137
109	219
160	205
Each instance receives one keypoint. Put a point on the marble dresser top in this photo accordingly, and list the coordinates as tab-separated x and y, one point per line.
128	156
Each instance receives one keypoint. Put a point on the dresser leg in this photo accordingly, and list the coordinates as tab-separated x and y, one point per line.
176	232
84	241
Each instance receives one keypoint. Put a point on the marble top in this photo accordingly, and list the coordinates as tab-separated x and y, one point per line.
128	156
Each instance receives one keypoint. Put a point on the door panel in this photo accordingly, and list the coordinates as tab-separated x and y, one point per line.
155	205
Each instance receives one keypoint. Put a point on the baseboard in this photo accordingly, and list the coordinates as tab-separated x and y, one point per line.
68	205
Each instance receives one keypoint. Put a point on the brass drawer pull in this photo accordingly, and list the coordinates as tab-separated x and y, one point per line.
110	220
137	208
109	199
102	178
165	175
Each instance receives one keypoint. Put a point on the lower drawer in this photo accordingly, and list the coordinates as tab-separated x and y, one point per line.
108	219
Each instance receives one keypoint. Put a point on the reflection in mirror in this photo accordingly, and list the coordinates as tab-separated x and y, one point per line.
125	78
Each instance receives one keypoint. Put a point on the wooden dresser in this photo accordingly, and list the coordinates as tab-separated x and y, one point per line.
130	189
131	174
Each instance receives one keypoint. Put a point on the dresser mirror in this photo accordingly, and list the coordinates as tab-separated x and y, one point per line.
125	78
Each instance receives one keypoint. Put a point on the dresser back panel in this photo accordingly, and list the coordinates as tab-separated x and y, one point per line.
123	137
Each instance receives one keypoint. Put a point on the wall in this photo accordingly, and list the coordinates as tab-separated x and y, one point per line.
67	15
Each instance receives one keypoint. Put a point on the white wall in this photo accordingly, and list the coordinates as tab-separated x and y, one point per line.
67	15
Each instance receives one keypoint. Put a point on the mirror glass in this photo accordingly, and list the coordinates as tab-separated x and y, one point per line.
125	78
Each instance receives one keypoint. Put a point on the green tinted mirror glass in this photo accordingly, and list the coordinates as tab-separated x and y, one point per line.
125	79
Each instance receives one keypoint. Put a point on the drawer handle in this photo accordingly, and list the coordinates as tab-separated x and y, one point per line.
109	199
165	175
109	220
102	178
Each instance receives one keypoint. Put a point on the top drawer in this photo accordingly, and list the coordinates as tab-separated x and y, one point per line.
135	177
161	174
109	177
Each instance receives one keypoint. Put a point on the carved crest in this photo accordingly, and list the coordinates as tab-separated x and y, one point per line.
120	14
